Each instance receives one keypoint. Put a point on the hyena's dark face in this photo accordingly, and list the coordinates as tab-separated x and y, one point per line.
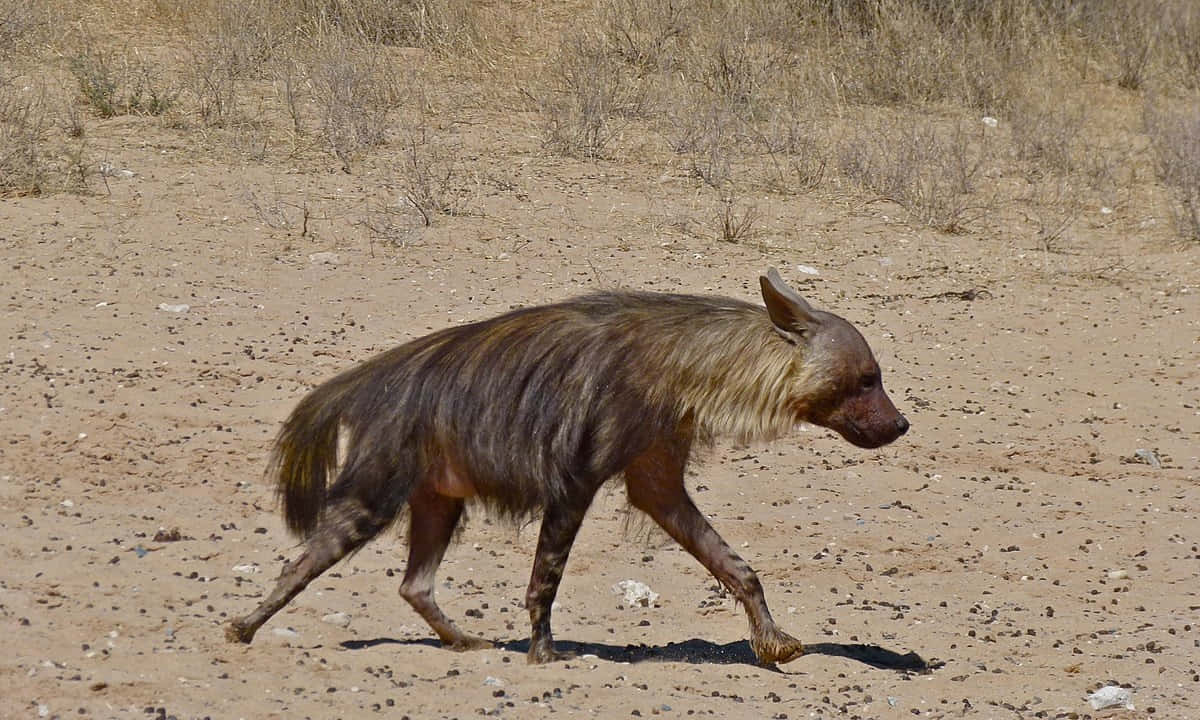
839	386
849	397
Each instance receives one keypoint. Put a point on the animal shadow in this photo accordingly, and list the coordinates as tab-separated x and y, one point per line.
696	651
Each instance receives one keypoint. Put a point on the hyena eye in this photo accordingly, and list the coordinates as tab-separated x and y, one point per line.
869	381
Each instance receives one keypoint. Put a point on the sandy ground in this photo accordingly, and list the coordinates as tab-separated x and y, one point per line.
1013	535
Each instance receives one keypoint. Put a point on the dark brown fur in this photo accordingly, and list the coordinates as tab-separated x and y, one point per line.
534	410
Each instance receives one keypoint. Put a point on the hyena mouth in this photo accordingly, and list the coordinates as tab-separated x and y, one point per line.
859	437
874	437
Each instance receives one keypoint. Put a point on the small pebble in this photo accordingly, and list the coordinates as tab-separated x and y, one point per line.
340	619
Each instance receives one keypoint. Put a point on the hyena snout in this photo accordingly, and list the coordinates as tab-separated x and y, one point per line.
869	420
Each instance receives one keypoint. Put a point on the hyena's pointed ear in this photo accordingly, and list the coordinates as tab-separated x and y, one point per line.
790	313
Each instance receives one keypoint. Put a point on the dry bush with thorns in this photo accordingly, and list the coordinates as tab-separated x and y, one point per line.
357	92
592	98
736	221
122	84
1175	134
24	121
929	171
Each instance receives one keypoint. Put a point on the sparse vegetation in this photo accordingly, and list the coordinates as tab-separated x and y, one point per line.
799	96
24	167
1175	134
929	171
736	221
122	85
356	92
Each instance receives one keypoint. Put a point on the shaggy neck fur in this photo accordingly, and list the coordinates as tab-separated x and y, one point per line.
735	374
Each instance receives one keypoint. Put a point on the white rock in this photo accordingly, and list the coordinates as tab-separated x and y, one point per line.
340	619
285	633
180	308
324	258
248	568
1147	456
635	593
1111	696
807	270
990	121
1118	574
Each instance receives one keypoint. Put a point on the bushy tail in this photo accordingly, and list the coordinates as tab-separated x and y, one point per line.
306	454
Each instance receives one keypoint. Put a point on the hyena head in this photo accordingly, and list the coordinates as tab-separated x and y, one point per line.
838	384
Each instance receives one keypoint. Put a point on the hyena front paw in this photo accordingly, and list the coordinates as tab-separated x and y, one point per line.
236	632
775	646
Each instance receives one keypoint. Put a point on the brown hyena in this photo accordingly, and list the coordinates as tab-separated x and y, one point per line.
534	410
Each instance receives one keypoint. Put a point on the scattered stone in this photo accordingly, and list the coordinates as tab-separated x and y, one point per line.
1111	696
1148	457
110	170
180	308
340	619
494	681
635	593
324	258
247	568
807	270
285	633
164	535
1118	574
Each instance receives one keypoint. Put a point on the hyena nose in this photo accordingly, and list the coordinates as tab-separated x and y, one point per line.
901	425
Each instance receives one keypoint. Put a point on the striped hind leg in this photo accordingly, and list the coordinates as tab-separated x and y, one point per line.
431	527
345	527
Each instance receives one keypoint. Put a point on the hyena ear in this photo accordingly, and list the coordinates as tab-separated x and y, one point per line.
790	313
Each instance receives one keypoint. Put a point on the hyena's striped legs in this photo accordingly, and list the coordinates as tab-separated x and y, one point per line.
433	519
345	527
560	524
655	485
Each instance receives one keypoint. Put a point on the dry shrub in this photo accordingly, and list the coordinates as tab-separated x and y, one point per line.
928	170
591	99
1047	133
36	156
122	84
24	122
1175	135
432	177
268	26
705	133
1181	42
794	143
646	34
357	89
736	221
22	24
